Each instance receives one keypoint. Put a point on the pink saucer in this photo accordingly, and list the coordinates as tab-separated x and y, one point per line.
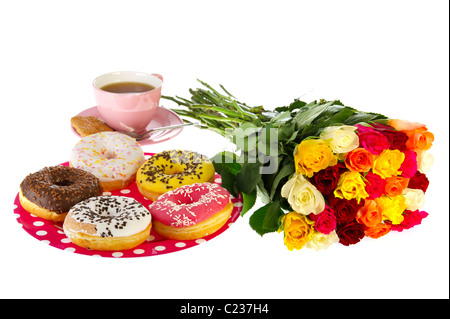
163	117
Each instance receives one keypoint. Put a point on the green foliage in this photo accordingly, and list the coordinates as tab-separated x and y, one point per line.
251	128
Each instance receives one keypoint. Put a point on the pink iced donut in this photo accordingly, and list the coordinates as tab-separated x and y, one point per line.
191	211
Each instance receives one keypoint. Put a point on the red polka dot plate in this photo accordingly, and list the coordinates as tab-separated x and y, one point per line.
52	232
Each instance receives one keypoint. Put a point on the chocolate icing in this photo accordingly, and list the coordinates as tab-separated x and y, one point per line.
192	162
58	188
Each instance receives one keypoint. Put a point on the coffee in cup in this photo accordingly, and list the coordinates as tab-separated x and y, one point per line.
128	100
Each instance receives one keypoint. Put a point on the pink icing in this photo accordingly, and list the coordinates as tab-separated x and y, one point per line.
189	204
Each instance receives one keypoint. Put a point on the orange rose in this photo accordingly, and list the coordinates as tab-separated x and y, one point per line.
359	160
395	185
377	231
370	214
419	138
402	125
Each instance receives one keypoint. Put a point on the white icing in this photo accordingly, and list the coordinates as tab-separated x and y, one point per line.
112	216
108	155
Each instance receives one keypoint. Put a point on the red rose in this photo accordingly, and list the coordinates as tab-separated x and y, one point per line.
409	165
350	234
371	140
411	219
345	210
397	139
375	185
325	222
326	180
419	181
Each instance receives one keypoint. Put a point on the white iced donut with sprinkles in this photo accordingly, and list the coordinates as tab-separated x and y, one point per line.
112	157
191	211
108	223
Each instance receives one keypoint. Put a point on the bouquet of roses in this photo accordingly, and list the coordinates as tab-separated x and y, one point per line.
325	172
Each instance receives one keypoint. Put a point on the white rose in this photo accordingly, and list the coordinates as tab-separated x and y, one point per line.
415	198
321	241
342	139
303	196
424	161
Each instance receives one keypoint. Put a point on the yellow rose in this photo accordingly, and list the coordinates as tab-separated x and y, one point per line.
312	156
392	208
388	163
298	230
351	185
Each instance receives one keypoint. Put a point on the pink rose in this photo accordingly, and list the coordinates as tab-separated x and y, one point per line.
371	140
409	165
411	219
375	185
325	222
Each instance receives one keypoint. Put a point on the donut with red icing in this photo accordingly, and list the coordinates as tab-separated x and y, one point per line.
191	211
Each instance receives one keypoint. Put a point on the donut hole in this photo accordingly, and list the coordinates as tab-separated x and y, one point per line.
187	199
64	182
173	169
184	200
109	156
60	181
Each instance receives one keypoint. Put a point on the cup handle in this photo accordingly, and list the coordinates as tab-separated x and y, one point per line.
159	76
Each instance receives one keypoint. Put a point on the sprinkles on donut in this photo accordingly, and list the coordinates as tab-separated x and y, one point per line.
191	211
108	223
169	170
112	157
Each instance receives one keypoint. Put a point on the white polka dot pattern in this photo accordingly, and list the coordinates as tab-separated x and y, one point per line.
51	233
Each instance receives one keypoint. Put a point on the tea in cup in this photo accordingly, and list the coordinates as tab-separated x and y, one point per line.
128	100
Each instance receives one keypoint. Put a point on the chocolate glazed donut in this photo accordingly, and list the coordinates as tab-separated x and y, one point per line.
52	191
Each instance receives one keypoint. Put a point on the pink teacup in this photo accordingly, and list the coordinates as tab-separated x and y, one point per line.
128	111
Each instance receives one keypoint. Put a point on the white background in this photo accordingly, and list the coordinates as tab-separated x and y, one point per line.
389	57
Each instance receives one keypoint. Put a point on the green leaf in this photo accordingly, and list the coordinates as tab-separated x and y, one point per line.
337	118
262	192
229	182
363	117
286	170
265	219
287	132
249	201
304	118
297	104
226	161
248	177
270	223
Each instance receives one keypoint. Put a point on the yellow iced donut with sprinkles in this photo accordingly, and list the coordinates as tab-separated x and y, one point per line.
169	170
112	157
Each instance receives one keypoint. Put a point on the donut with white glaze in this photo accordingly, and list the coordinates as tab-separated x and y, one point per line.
108	223
191	211
112	157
